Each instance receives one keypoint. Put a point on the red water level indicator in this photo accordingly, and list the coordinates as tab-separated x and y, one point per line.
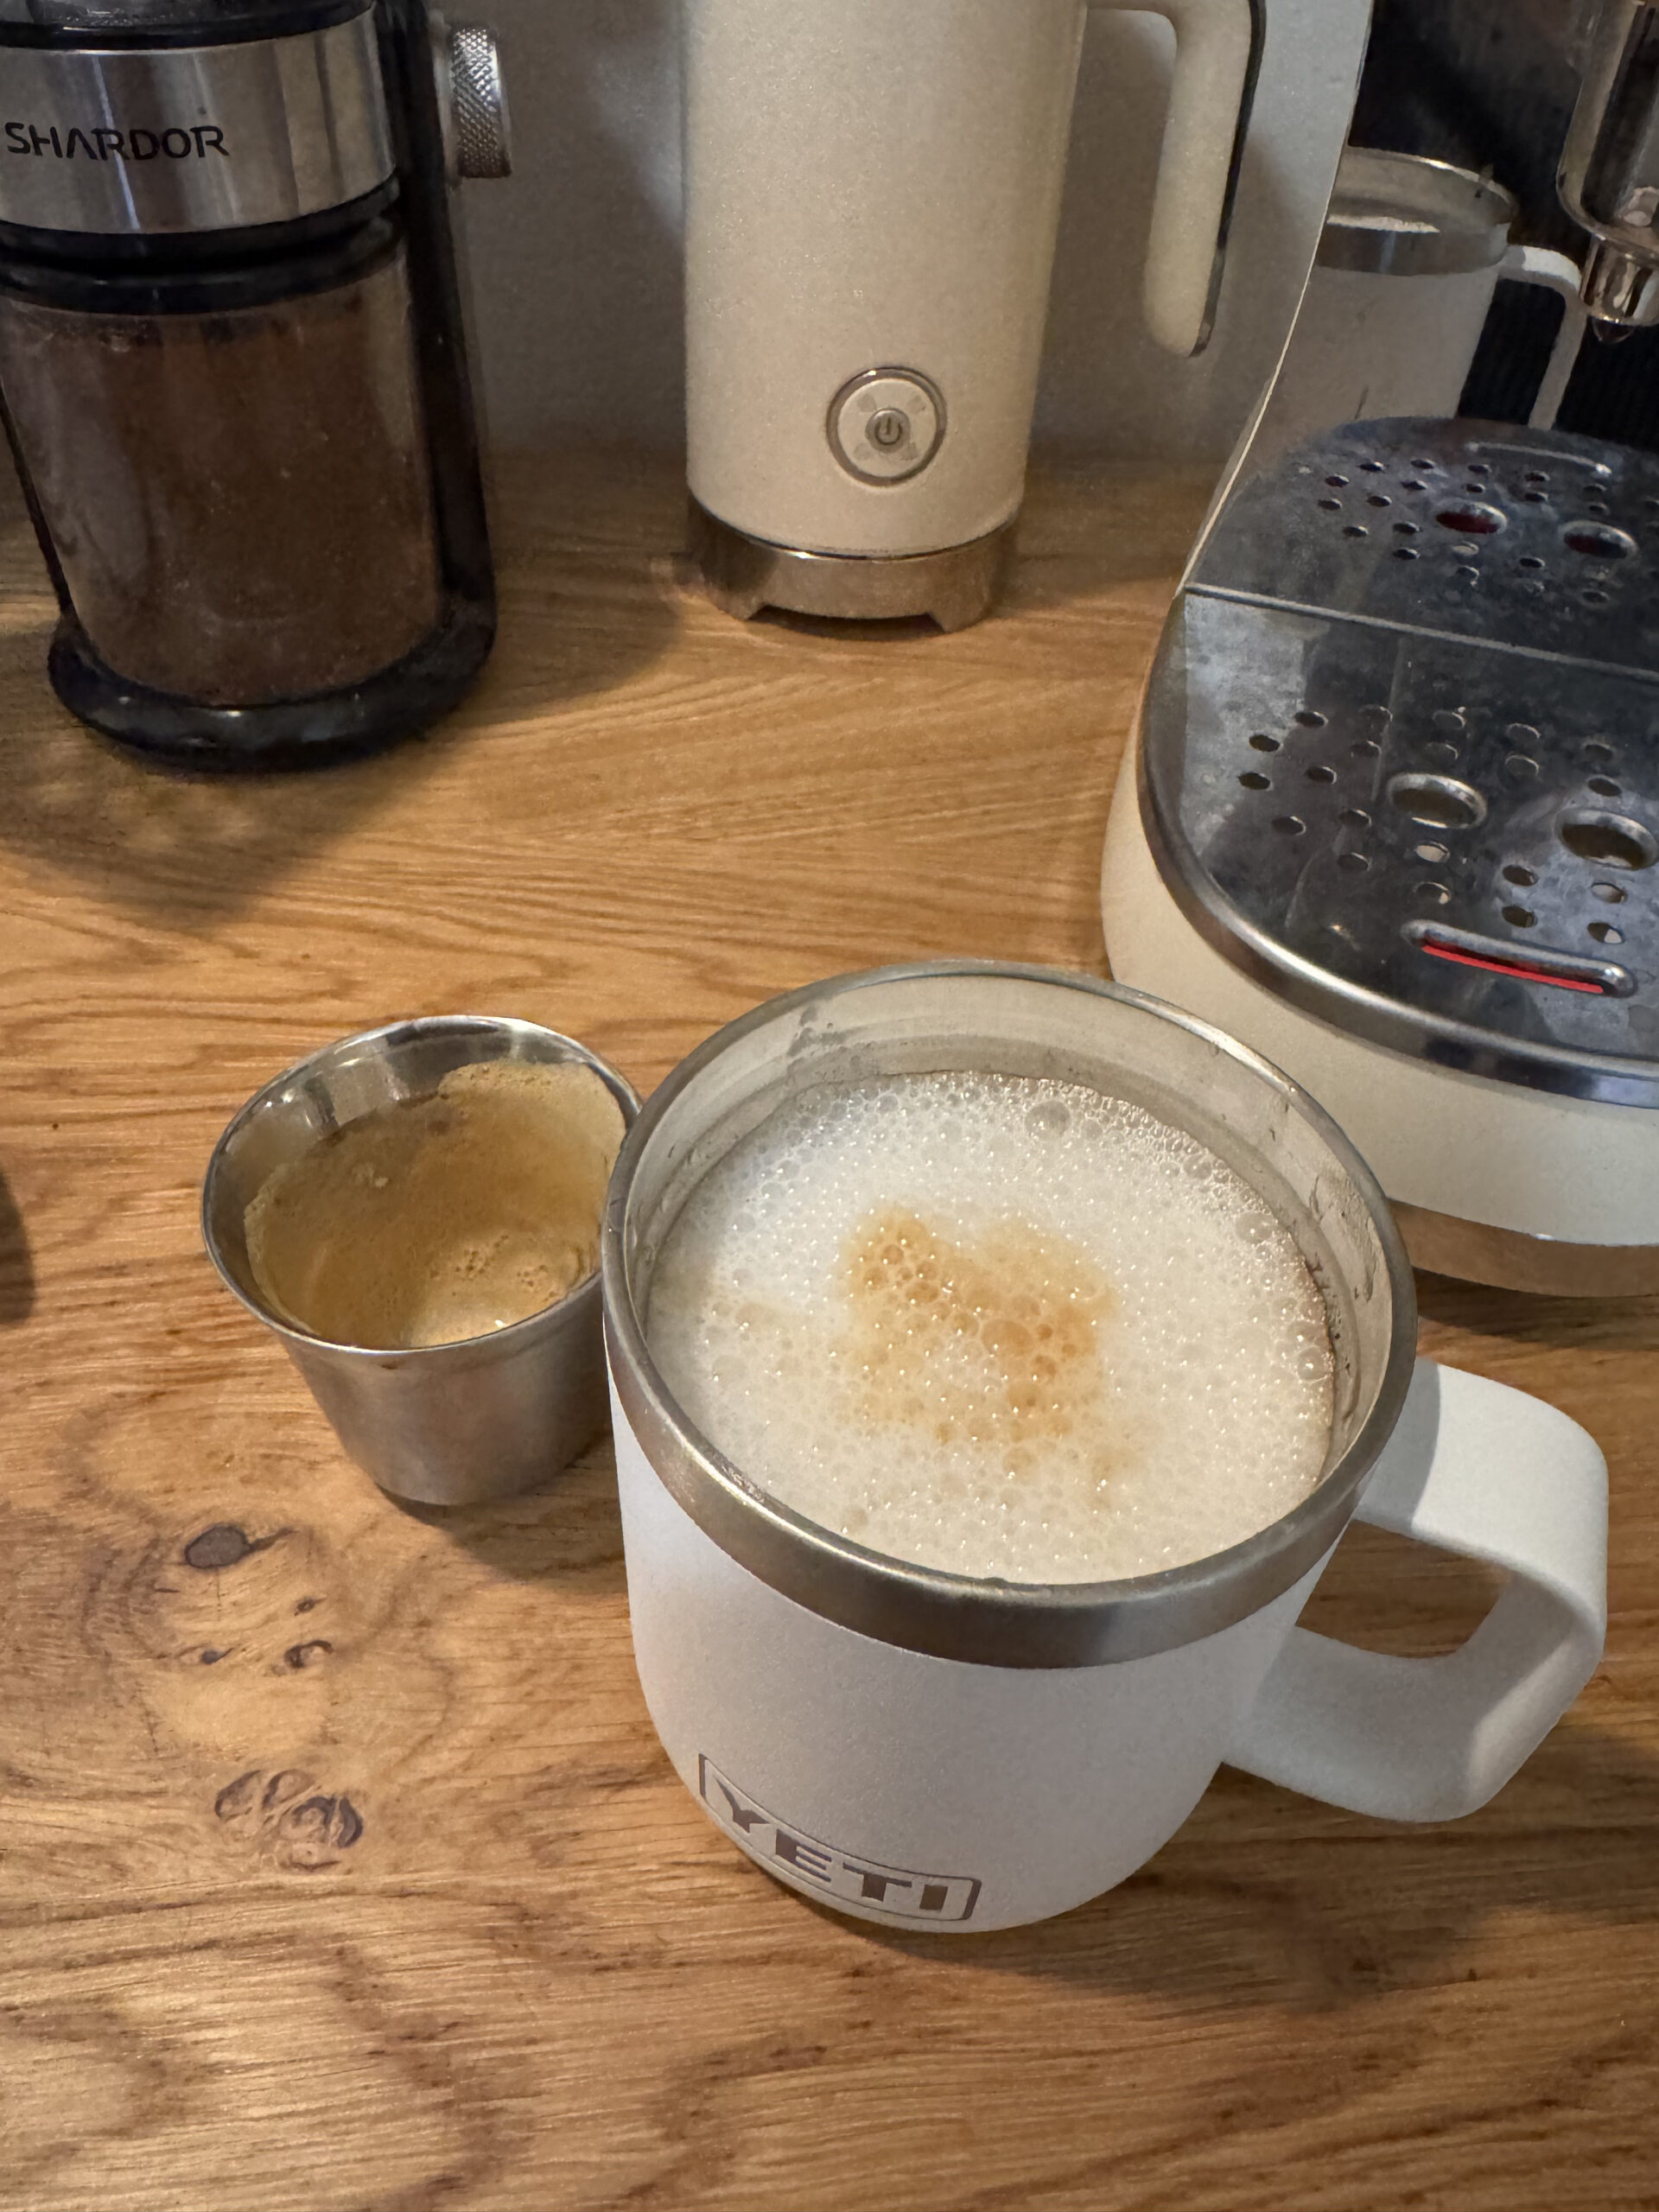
1562	971
1520	970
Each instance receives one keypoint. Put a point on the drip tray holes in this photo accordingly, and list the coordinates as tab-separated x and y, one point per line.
1438	801
1598	541
1474	519
1611	840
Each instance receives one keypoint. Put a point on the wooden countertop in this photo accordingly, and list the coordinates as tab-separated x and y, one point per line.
345	1871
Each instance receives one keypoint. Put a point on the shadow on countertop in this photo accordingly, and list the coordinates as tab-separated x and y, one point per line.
16	1263
183	852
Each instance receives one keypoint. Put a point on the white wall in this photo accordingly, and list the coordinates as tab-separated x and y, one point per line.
576	259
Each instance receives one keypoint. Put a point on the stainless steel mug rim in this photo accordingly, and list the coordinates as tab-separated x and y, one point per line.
957	1616
392	1034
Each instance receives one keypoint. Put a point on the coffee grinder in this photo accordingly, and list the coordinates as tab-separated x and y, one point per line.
234	367
1392	813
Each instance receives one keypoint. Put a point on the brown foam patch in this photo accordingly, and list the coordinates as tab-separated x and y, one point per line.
1023	1306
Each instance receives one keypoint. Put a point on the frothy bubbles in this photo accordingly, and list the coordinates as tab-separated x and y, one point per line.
999	1325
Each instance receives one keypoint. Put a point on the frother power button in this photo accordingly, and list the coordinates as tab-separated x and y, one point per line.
886	425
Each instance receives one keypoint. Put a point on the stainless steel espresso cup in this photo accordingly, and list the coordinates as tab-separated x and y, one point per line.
442	1424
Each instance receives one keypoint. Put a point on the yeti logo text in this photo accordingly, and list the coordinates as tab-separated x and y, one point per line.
897	1892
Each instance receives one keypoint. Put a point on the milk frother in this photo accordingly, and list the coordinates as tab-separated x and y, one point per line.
233	368
871	202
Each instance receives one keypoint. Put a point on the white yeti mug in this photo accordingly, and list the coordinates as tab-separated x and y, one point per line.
928	1750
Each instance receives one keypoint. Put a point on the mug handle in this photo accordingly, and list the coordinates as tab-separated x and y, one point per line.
1490	1473
1537	264
1209	107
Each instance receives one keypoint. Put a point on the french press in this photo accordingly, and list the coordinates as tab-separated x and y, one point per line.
234	367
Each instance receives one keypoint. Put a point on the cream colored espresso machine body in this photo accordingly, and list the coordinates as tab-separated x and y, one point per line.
1391	816
872	196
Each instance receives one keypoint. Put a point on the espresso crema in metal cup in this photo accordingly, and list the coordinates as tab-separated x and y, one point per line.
446	1424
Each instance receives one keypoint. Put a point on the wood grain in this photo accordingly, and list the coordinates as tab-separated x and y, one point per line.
339	1864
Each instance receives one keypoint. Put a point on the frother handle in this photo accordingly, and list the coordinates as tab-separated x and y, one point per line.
1492	1474
1537	264
1208	108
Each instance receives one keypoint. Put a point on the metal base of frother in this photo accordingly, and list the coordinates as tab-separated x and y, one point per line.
743	574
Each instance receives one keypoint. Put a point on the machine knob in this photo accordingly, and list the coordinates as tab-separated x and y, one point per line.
886	425
478	132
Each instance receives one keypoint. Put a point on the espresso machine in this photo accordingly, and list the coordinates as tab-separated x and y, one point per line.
234	367
871	197
1392	811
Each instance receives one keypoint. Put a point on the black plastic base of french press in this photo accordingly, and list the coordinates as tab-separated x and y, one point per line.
165	731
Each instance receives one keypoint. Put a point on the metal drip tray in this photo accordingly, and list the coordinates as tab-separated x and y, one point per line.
1424	807
1529	538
